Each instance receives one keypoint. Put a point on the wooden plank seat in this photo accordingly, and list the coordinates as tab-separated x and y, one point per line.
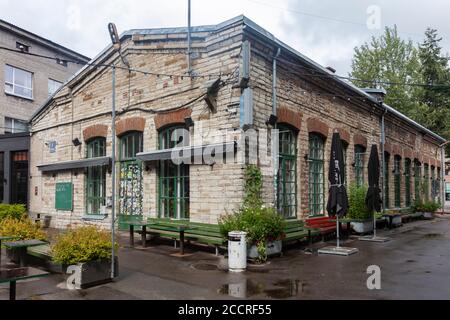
323	225
295	230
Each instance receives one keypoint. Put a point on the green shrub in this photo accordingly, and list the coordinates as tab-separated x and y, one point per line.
21	229
357	203
253	186
261	224
82	245
16	211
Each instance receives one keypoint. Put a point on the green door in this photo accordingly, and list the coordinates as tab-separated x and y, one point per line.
131	186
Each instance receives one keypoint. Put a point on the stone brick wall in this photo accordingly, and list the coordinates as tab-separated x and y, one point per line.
83	110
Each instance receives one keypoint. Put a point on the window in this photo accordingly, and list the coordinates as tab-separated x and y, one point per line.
173	179
316	175
387	203
287	173
426	182
22	47
408	182
18	82
417	176
397	181
53	85
96	178
15	126
434	184
360	153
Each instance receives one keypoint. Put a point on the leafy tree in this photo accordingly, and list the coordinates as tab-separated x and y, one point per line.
390	60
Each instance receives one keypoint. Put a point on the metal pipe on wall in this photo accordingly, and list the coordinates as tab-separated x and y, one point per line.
275	113
113	171
189	39
383	164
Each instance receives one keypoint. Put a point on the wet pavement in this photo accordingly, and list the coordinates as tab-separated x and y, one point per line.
414	265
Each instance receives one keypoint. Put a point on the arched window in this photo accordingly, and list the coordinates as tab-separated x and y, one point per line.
173	179
360	154
95	178
426	182
131	186
417	179
408	183
387	159
397	181
316	175
287	173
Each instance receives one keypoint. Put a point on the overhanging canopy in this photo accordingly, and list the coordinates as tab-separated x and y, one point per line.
75	164
188	152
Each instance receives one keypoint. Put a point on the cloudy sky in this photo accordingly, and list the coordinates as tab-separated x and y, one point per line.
325	30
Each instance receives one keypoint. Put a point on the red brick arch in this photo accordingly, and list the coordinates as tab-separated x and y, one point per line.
408	153
174	117
345	135
397	150
317	126
360	140
130	124
95	131
388	147
290	117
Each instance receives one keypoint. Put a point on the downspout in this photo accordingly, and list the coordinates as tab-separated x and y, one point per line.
383	164
443	178
275	113
189	40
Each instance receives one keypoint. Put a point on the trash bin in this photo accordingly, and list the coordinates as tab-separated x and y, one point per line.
237	251
47	220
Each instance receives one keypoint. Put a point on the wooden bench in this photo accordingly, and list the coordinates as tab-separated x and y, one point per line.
295	230
323	225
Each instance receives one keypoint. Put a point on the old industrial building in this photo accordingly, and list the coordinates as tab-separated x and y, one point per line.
264	84
28	81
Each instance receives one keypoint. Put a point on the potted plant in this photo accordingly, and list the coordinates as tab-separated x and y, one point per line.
87	251
429	208
264	228
263	225
361	216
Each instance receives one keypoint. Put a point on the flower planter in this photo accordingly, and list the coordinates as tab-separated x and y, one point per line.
362	226
272	248
428	215
94	273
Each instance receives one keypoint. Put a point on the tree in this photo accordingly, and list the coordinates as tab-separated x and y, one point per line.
390	60
435	98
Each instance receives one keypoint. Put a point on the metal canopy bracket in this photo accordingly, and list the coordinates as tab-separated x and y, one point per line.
211	95
75	164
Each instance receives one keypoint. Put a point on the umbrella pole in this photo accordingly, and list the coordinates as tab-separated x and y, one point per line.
337	232
374	226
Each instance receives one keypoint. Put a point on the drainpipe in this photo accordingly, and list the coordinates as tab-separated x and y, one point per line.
383	164
189	39
275	112
443	179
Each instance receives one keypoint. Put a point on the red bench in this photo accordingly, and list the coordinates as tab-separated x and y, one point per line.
323	225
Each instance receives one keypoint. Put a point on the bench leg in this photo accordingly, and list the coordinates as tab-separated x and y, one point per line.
131	236
182	243
12	291
144	236
217	251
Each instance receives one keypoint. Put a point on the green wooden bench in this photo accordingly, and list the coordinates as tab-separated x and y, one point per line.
295	230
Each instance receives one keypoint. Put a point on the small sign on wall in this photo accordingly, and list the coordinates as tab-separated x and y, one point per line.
64	196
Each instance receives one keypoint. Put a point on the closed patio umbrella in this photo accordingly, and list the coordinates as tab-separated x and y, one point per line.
373	198
337	198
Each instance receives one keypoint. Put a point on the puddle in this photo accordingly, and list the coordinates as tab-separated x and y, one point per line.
433	235
205	267
411	261
282	289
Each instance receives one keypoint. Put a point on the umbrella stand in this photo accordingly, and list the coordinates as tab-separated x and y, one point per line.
374	237
338	250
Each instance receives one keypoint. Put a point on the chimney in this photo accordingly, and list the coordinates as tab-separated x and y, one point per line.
378	94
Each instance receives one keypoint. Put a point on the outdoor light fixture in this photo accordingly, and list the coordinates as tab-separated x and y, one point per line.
76	142
114	35
272	120
189	122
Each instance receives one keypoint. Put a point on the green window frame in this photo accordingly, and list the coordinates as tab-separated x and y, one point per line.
397	181
360	154
386	197
417	179
408	183
426	182
287	173
316	175
95	178
174	184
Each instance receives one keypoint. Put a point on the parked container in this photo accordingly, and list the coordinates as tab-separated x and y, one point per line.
237	251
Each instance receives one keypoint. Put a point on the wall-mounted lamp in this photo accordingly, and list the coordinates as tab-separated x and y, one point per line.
272	120
306	157
76	142
189	122
114	35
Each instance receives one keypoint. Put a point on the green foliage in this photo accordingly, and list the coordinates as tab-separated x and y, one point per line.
15	211
253	186
21	229
357	203
397	63
427	206
82	245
